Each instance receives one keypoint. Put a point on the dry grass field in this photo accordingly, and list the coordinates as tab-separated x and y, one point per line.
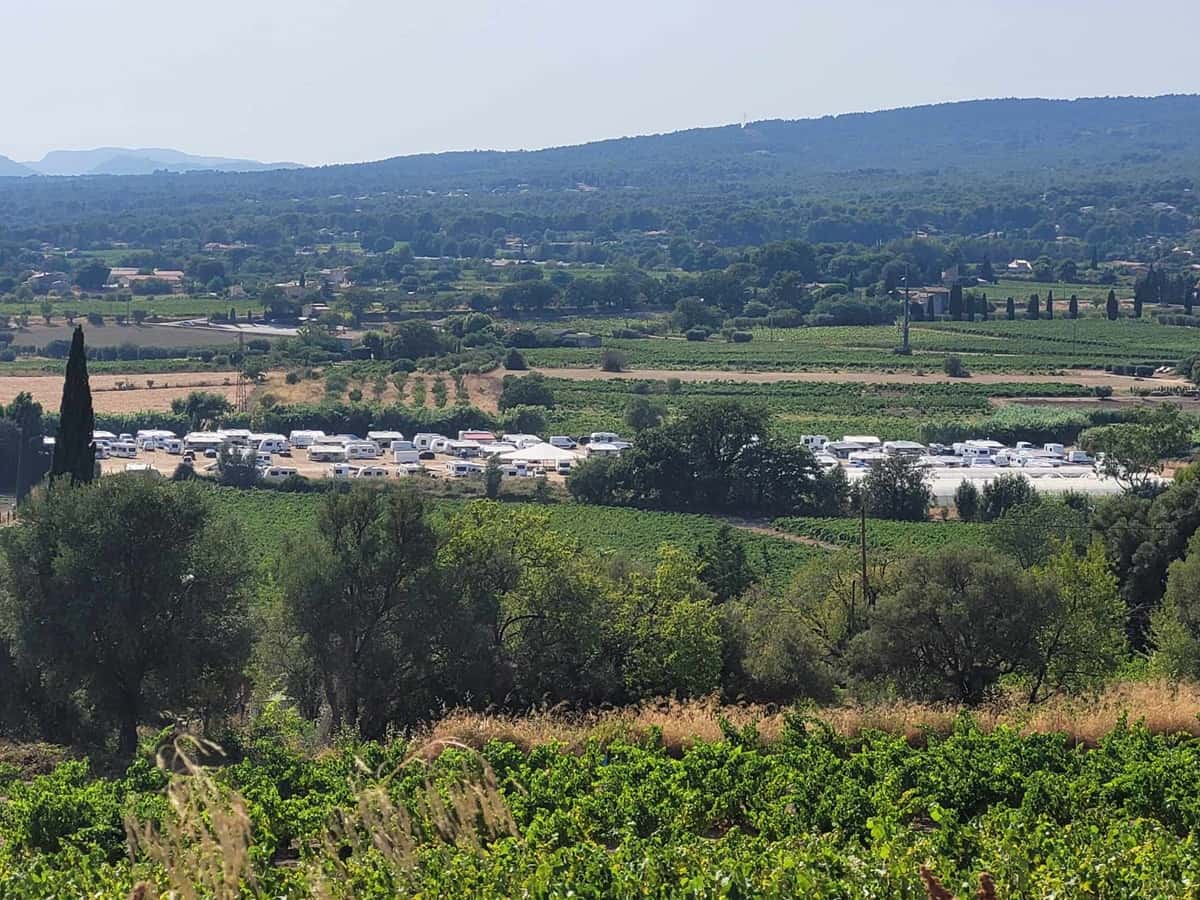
149	392
1165	708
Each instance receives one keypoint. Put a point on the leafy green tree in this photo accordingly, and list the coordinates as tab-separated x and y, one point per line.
1134	452
1033	529
1004	492
1175	625
492	476
202	408
514	360
896	488
1082	640
967	501
723	565
642	413
74	452
93	276
526	390
358	593
134	593
953	625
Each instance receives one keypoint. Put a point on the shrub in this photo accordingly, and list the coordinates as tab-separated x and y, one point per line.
742	337
292	378
514	360
697	334
612	361
953	366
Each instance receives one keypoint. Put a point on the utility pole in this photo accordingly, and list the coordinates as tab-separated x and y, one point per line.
862	544
20	460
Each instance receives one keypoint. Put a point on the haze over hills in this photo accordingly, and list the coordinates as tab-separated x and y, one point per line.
127	161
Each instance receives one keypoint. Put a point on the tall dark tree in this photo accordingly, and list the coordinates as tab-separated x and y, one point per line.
1033	308
1139	295
1095	264
956	303
74	453
985	270
930	311
1050	304
1010	309
1111	308
1189	295
1073	308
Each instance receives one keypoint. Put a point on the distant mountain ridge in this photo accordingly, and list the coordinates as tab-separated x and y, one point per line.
1101	137
132	161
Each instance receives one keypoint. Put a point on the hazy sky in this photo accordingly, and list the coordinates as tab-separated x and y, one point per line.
319	81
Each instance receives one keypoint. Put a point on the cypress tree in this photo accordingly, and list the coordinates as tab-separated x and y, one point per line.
1033	308
1189	292
930	310
1095	258
956	302
74	453
1137	303
1010	309
1049	304
1073	307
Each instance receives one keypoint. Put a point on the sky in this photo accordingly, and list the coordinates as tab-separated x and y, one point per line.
323	81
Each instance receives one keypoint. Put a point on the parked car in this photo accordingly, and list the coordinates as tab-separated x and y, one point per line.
563	442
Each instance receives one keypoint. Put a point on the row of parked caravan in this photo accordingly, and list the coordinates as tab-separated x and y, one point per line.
860	451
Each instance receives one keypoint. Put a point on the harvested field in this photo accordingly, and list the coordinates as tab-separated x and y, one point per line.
108	397
1086	377
113	335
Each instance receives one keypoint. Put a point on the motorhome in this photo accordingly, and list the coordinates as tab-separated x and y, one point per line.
424	440
273	443
603	437
563	467
480	437
279	473
362	450
404	452
866	440
238	437
152	438
172	445
383	438
814	441
602	449
409	469
341	470
462	449
1055	450
305	439
335	453
863	459
372	472
103	436
521	441
461	468
203	440
123	450
903	448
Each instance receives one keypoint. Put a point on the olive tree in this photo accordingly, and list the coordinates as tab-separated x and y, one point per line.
134	592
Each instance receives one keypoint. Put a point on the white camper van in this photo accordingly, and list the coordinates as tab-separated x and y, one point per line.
303	439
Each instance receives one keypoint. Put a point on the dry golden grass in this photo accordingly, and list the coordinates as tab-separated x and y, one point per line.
108	397
1165	708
